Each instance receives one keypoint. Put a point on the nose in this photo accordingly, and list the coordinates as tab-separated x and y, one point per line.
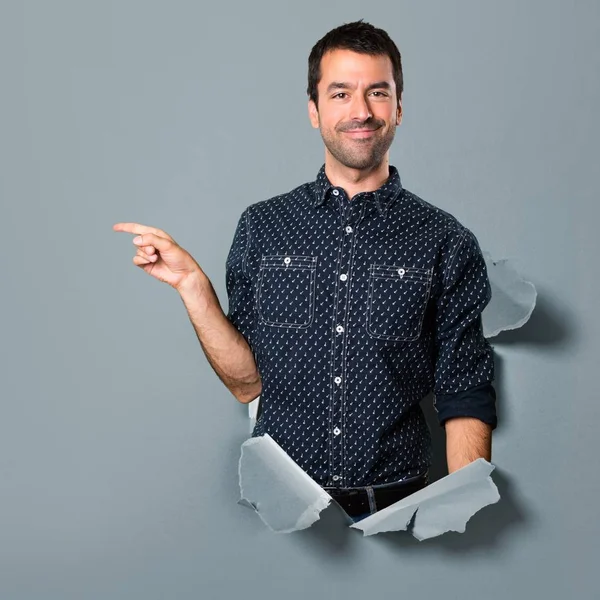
359	109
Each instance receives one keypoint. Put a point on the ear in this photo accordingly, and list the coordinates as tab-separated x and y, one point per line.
399	112
313	114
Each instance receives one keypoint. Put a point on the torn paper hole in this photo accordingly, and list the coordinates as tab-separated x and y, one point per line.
282	494
445	505
287	499
513	298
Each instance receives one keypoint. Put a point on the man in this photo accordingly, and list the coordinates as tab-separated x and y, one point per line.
350	298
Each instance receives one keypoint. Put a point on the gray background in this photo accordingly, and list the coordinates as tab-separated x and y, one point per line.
119	445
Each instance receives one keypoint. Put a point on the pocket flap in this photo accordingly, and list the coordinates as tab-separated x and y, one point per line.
288	261
401	272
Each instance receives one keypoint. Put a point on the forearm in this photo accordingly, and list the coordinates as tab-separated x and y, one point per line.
467	439
227	351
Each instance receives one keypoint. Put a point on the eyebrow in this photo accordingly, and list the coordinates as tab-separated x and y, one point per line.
343	85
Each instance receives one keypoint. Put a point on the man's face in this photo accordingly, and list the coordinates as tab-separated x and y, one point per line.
357	109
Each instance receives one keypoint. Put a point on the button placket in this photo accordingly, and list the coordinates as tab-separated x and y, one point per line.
339	344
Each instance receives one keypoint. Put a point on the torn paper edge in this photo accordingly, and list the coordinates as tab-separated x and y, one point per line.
399	515
307	486
505	263
253	412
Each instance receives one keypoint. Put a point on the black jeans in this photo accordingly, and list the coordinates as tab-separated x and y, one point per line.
360	502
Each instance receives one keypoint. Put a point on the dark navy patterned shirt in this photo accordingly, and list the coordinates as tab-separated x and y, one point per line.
355	310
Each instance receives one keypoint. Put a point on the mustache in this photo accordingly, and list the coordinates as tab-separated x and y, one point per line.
370	124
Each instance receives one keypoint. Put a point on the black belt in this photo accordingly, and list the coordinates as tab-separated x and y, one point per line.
368	499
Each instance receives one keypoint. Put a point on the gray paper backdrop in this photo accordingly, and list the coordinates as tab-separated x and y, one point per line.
119	445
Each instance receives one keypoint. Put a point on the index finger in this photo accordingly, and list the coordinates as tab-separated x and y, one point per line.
139	229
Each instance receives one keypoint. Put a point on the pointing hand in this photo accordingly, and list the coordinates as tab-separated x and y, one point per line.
159	254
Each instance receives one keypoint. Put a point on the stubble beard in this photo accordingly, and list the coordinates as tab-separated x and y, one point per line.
359	153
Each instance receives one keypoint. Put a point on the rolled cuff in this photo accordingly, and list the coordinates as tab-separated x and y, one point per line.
478	402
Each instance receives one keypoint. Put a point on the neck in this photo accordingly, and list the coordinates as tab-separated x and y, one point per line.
354	181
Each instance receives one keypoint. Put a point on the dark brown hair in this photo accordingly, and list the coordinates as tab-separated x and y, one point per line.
359	37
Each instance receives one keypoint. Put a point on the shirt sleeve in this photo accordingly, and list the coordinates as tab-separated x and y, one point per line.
464	368
240	289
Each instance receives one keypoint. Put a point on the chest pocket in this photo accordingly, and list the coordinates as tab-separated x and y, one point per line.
397	301
286	290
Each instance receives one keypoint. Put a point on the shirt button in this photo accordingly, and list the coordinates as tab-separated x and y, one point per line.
336	477
343	276
401	272
339	329
337	431
349	229
338	380
336	192
287	260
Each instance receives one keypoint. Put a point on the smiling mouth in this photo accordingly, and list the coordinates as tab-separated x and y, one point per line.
360	133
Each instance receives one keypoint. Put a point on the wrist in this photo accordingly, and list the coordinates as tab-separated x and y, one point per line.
193	285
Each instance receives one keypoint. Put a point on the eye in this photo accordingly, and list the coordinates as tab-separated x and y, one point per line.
339	94
381	94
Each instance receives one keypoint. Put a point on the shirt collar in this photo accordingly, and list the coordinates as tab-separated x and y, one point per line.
382	197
